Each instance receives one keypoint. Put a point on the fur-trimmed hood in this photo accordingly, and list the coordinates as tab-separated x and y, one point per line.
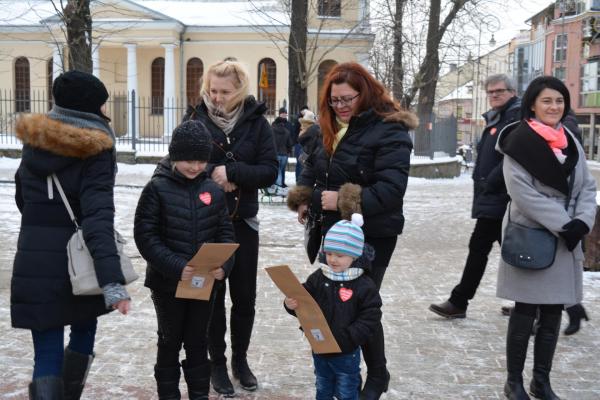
409	119
41	132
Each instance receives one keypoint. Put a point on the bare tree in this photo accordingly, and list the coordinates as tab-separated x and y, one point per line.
300	41
77	20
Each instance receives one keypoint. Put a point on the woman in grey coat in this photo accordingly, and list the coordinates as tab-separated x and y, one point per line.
540	156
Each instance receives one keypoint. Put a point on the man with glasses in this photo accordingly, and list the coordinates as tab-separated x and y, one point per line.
489	197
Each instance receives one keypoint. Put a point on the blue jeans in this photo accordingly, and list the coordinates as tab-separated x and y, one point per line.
49	351
281	175
338	376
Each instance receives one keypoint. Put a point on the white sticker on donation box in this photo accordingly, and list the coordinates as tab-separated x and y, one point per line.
197	281
317	334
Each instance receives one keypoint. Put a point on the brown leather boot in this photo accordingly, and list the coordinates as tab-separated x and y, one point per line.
448	310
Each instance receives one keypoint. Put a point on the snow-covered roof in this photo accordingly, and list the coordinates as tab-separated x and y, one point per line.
462	92
25	12
188	12
220	13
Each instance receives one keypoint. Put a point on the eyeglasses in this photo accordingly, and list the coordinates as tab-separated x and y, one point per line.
496	92
341	101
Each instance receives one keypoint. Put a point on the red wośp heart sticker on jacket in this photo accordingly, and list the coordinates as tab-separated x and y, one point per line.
345	294
206	198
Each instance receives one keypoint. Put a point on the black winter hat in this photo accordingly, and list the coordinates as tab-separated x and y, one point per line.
283	110
80	91
191	141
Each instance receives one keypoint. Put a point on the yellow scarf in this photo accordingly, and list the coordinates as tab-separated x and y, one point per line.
340	134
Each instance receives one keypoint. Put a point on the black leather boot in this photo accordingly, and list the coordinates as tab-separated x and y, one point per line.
378	377
167	382
576	314
241	371
46	388
75	370
219	378
198	380
517	340
543	354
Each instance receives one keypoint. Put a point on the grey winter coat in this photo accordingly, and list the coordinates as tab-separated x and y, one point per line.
538	185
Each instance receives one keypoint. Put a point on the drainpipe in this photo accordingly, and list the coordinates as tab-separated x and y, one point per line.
181	68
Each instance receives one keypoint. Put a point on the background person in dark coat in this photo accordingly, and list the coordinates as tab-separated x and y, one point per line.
489	195
75	142
243	160
296	128
179	210
283	144
363	164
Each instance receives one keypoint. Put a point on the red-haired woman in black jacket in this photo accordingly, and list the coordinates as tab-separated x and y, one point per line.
363	164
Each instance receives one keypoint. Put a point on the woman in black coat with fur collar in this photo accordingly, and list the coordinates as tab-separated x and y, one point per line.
362	167
75	142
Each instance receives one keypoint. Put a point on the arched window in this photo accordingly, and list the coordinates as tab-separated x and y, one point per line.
193	75
22	85
330	8
324	69
49	75
267	83
158	85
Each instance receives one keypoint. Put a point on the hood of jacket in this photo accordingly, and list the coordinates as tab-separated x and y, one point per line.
50	145
407	118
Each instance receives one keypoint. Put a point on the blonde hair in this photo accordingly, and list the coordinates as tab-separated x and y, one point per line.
226	69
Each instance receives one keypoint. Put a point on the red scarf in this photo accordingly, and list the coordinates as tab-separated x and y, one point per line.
556	138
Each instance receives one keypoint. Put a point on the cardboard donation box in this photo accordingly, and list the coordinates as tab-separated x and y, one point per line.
309	314
210	256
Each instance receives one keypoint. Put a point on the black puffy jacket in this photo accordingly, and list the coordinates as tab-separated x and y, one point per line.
375	154
283	139
84	161
253	163
353	321
489	191
172	222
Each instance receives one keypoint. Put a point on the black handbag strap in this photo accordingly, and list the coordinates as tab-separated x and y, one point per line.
568	199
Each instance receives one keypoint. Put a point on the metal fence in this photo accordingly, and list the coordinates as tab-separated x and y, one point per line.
437	138
149	133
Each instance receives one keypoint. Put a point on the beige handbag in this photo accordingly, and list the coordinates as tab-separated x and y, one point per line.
81	263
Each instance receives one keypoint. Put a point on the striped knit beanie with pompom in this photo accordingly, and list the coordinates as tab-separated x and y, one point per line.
346	237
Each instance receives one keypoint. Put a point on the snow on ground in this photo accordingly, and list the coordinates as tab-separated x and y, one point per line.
429	357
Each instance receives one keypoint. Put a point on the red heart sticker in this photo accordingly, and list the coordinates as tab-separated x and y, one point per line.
493	131
345	294
206	198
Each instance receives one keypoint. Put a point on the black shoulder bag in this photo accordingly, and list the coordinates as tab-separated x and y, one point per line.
530	248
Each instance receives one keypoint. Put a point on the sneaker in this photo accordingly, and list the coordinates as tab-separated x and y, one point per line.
448	310
220	380
241	371
281	191
271	190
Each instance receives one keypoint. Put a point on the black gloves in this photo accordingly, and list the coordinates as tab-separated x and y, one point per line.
574	232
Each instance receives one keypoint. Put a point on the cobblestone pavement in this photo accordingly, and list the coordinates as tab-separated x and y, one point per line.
429	357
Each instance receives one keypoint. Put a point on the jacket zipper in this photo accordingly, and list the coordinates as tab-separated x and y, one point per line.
193	207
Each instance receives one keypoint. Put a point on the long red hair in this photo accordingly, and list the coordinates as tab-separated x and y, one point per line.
372	95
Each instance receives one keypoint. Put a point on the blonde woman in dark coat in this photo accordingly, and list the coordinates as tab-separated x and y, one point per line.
540	157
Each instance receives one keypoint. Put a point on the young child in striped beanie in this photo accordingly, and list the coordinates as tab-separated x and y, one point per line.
350	303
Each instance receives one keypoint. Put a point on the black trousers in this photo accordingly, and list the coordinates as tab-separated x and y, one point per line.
242	292
486	232
374	349
181	322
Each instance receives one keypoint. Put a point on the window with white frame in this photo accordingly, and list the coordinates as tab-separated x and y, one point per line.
560	73
560	47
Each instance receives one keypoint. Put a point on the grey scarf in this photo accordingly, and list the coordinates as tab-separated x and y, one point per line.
223	119
81	119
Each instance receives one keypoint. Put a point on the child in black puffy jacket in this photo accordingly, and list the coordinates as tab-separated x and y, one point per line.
179	210
351	305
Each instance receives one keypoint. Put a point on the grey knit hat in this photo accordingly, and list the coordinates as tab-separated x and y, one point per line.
191	141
